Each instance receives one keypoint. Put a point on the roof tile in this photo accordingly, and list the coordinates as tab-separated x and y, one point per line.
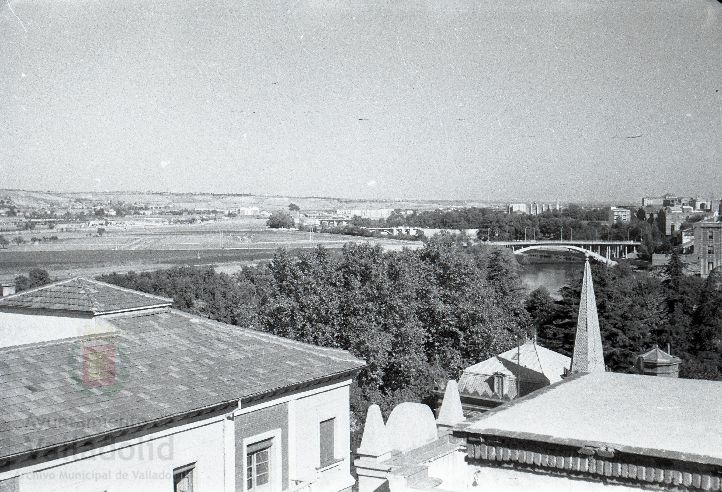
82	295
211	363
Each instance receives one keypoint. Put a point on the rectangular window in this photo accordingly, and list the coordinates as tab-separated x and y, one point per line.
326	433
183	478
258	466
710	235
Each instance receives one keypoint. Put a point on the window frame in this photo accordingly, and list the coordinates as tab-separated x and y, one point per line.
275	457
190	470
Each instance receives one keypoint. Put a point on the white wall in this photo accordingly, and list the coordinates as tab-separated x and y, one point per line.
146	464
307	414
19	329
141	467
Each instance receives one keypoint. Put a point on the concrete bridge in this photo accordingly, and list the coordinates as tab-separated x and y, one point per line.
603	251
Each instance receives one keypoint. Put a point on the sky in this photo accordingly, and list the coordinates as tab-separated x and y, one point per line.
437	99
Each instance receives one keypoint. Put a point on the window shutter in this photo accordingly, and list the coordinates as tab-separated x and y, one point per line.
326	434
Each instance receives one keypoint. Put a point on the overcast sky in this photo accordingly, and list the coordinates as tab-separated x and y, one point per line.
457	99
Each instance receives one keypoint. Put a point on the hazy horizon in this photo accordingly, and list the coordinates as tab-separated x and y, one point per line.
602	100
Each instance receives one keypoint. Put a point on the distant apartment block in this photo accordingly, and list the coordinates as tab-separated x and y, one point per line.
708	246
518	208
652	201
533	208
620	215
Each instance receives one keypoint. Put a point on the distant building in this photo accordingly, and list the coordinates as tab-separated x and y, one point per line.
533	208
518	208
696	203
674	217
105	388
708	245
620	215
652	201
248	211
366	213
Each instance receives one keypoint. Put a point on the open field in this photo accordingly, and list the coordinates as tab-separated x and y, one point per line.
249	233
226	244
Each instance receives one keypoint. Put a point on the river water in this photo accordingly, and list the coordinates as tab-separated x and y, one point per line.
553	276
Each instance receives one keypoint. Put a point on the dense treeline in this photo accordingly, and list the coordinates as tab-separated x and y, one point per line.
638	310
573	222
417	317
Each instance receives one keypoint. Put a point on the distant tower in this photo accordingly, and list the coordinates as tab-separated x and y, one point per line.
588	354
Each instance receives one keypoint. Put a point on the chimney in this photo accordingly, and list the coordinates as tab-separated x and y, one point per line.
7	289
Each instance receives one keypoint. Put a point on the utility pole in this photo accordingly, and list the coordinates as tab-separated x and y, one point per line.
561	233
525	234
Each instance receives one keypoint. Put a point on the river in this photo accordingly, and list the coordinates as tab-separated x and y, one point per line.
553	276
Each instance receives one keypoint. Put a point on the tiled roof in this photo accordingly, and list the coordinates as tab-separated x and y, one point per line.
651	416
658	356
83	295
540	361
159	364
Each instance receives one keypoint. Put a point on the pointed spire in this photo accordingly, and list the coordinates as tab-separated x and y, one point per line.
451	412
375	440
588	354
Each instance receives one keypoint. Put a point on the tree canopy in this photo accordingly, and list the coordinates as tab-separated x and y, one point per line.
280	219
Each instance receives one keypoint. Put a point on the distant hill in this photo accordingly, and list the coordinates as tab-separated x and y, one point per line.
51	199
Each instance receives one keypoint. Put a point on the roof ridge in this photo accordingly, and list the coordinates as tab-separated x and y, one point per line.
35	289
85	295
272	338
91	300
125	289
538	359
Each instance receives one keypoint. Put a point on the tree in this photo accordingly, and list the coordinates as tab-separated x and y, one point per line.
101	231
280	220
641	214
18	240
540	307
293	207
37	277
4	242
